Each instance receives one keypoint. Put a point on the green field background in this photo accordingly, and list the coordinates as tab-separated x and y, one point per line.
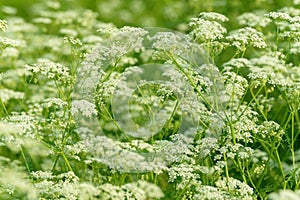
158	13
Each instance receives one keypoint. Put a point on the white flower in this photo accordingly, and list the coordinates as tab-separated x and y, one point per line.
88	19
296	2
53	4
212	16
72	40
70	32
241	189
170	42
285	195
206	146
205	30
237	64
3	25
247	36
279	16
42	174
51	69
42	20
295	48
10	52
210	193
6	95
253	20
235	85
8	10
54	101
83	107
10	42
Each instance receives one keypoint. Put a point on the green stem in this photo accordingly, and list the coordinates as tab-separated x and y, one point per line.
242	170
263	173
289	118
207	52
66	161
179	196
257	103
4	107
277	37
61	93
280	167
297	121
293	138
249	103
226	168
232	133
173	113
206	101
55	162
116	124
192	84
253	184
293	143
122	179
25	160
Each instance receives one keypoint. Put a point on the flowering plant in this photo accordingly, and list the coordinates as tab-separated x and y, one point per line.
90	110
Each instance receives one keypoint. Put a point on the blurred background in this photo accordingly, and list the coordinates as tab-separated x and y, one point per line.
147	13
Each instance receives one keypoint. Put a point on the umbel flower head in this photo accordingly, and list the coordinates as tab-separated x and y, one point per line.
3	25
205	29
244	37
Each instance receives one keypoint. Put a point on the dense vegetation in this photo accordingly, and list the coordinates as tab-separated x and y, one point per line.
149	99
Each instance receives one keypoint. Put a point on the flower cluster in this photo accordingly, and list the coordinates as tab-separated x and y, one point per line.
3	25
119	112
51	70
6	95
253	20
207	28
244	37
84	107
